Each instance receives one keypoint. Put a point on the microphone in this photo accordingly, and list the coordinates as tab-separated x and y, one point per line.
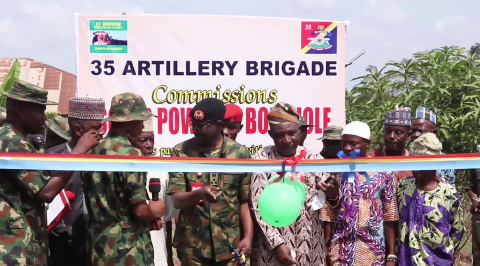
59	208
154	186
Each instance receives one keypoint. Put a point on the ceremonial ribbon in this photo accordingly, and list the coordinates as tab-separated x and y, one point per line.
292	162
351	175
114	163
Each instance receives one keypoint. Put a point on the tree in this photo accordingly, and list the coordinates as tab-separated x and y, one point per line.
475	49
446	80
11	77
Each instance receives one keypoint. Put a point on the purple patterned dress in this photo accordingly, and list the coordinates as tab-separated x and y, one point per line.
431	224
358	237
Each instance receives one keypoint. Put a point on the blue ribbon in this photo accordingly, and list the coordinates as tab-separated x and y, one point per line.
351	174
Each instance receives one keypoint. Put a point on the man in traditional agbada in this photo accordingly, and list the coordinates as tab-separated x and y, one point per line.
23	223
305	236
208	231
69	238
116	201
431	217
397	126
426	122
360	224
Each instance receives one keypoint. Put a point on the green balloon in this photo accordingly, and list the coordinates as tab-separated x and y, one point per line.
299	187
275	176
296	183
279	205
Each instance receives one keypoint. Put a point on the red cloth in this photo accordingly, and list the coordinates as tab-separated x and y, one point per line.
399	175
233	113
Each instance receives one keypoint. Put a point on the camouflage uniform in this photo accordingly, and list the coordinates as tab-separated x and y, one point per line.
208	232
303	122
474	185
59	126
23	224
117	237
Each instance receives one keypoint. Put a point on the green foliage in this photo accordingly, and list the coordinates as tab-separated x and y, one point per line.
11	77
446	79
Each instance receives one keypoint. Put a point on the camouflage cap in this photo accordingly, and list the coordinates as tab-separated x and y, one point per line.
59	126
26	92
126	107
3	115
332	133
303	122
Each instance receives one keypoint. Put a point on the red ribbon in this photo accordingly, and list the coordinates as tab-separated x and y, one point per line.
290	161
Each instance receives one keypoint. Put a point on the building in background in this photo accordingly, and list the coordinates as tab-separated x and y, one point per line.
61	85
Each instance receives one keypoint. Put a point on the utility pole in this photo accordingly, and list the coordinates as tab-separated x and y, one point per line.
355	58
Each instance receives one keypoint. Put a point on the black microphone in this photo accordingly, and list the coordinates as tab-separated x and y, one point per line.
154	186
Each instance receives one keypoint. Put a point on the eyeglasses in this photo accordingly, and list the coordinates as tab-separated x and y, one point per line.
194	127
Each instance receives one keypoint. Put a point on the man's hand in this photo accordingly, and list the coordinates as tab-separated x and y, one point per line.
244	247
158	208
87	142
390	263
331	189
475	207
156	225
209	194
284	256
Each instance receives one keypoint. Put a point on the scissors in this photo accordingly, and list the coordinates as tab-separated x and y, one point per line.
240	258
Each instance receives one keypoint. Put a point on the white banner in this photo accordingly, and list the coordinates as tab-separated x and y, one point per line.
175	61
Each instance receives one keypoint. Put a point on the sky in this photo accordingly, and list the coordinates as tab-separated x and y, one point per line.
386	29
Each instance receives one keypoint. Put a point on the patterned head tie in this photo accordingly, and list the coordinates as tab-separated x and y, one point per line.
283	113
426	144
400	117
86	108
426	113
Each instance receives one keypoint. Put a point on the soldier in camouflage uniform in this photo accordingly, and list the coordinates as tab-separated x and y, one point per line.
473	189
208	231
303	129
23	224
58	132
116	201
